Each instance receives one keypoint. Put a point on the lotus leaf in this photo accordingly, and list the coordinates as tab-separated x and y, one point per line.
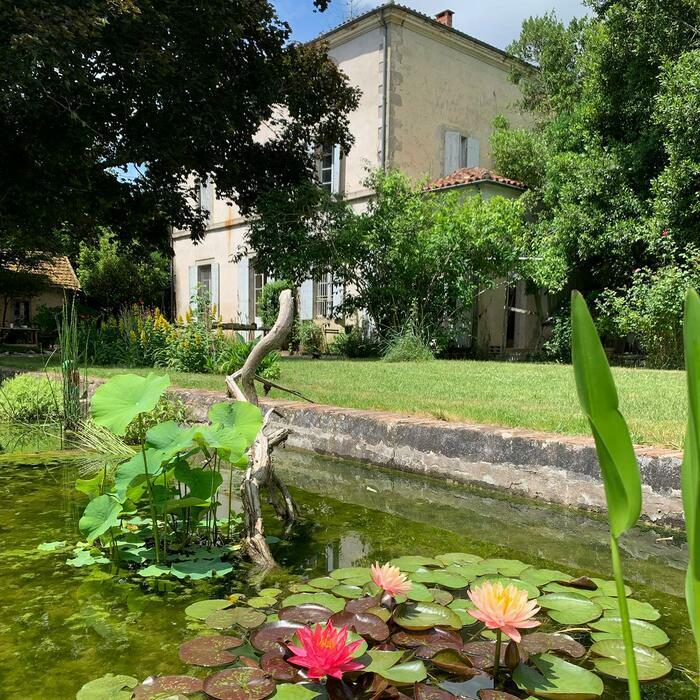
274	665
200	568
570	608
651	665
154	570
420	593
506	567
100	515
270	592
556	679
109	687
382	660
455	662
406	674
439	596
643	632
51	546
608	588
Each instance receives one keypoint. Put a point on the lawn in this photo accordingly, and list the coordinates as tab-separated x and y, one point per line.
538	396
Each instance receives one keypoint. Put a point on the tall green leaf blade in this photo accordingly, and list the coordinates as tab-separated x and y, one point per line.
598	398
120	399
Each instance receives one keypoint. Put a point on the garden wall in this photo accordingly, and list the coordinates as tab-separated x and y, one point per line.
542	466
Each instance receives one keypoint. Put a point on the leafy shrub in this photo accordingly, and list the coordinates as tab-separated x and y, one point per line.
353	343
270	300
408	346
27	398
234	353
557	347
168	408
46	319
312	340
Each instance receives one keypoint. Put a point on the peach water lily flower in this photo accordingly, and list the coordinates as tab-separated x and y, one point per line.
504	608
324	651
390	579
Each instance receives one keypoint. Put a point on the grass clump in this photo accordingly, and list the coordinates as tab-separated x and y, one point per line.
27	398
408	346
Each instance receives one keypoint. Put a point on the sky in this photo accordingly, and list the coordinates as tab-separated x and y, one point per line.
496	22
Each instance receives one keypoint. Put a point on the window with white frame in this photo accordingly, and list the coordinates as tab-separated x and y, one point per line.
206	196
204	284
325	168
257	281
323	295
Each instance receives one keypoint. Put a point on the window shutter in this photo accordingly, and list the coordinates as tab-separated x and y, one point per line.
453	148
306	300
206	196
473	147
243	286
192	299
335	173
338	299
215	286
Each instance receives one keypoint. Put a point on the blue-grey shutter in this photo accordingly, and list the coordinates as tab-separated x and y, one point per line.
473	148
306	300
453	152
338	298
215	286
192	299
243	287
335	172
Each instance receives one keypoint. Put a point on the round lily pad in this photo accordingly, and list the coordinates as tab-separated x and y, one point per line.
108	686
274	664
239	684
455	662
159	685
439	596
268	636
556	587
651	665
538	642
570	608
328	600
438	638
413	563
261	602
365	624
210	651
552	678
643	632
270	592
457	558
203	608
380	612
541	577
482	654
349	592
353	572
506	567
637	608
324	583
243	617
423	616
441	578
308	614
362	604
609	588
430	692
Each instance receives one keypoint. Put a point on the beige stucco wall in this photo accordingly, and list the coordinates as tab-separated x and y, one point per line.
439	82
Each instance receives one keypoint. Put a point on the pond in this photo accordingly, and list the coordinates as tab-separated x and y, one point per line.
62	626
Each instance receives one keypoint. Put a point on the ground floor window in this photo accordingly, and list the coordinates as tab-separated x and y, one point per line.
323	295
21	311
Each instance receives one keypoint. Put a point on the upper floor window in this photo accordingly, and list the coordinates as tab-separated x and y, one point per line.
206	196
460	152
325	167
204	280
323	295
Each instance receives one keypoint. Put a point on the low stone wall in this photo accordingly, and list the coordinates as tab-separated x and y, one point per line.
543	466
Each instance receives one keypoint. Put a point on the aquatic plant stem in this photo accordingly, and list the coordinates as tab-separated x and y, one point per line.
497	658
631	662
149	485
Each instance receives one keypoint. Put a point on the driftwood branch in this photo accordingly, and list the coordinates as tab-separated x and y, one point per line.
260	472
267	384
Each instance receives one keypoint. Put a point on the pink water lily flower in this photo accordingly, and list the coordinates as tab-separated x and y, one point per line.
503	608
390	579
324	651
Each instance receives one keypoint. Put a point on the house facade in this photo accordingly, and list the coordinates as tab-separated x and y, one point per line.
429	96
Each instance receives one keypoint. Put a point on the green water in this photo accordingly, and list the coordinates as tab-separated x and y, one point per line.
61	627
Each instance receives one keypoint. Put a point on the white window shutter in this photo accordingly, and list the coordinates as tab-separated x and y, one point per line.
306	300
453	149
215	285
206	196
338	299
243	287
335	172
473	148
192	300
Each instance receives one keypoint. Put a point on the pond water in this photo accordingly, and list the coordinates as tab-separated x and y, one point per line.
61	627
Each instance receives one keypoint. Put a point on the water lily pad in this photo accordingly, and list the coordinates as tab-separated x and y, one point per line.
469	688
423	616
430	692
268	636
270	592
637	608
440	596
643	632
407	673
210	651
353	572
324	583
609	588
155	571
457	558
308	614
570	608
541	577
366	625
382	660
239	684
538	642
197	569
203	608
349	592
159	686
482	654
262	602
461	604
556	679
51	546
532	591
328	600
412	563
506	567
455	662
435	638
497	695
651	665
420	593
362	604
243	617
557	587
108	687
300	691
441	578
274	664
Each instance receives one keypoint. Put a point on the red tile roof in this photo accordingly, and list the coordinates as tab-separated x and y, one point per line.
473	176
58	272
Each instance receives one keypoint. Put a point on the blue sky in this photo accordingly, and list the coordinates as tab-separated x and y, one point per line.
496	22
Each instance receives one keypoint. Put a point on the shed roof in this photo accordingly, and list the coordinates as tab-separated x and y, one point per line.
473	176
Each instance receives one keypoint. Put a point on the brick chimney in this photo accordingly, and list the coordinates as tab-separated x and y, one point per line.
445	17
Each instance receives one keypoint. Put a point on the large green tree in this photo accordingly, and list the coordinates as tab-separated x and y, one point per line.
172	91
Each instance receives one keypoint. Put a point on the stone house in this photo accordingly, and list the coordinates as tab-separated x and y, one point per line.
429	96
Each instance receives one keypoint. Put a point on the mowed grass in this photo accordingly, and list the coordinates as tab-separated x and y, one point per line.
535	396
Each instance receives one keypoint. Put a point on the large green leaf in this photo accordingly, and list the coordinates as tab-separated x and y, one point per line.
651	665
690	472
201	483
101	514
598	398
642	632
109	687
556	679
134	471
245	417
570	608
423	616
120	399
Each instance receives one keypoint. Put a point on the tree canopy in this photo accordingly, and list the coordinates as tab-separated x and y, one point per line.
173	92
